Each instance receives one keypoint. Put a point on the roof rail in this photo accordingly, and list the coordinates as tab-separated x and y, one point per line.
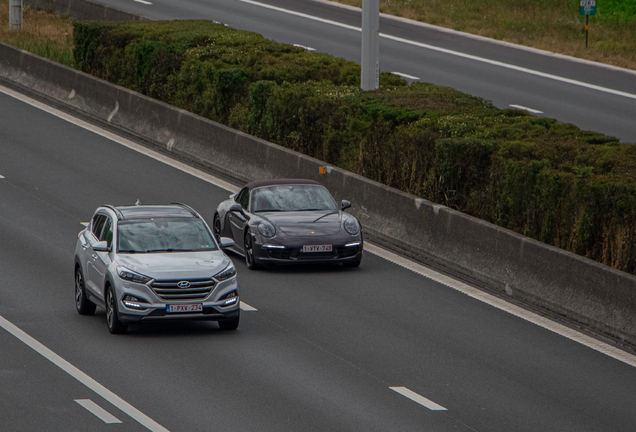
119	214
187	207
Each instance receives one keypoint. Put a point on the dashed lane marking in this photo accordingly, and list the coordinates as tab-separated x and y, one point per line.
403	75
530	110
418	398
89	382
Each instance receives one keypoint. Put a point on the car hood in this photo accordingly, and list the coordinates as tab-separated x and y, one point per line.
176	265
323	222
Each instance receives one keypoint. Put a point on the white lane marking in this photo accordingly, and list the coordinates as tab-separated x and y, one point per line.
369	247
533	111
144	2
546	323
82	377
1	177
98	411
403	75
455	53
246	307
419	399
304	47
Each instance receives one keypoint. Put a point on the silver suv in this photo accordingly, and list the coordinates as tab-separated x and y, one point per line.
147	263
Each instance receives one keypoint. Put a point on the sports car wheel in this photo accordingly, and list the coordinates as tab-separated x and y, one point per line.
216	227
249	251
84	306
114	325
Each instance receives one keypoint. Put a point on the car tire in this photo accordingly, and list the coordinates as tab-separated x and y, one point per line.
231	324
250	260
352	264
82	303
112	319
216	227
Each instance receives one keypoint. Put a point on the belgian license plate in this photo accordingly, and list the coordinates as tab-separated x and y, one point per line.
317	248
175	308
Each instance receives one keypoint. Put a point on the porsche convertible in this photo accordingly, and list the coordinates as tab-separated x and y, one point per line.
288	221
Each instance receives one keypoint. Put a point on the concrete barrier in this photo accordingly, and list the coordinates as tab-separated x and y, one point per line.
500	260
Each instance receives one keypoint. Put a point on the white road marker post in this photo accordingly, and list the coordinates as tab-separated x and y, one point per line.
15	15
370	62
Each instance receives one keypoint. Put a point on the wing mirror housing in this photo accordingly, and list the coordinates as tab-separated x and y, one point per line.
101	246
345	205
239	208
226	242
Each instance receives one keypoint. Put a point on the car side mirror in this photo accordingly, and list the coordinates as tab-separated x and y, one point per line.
345	205
239	208
226	242
101	246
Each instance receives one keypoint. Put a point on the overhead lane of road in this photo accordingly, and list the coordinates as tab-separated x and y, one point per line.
591	96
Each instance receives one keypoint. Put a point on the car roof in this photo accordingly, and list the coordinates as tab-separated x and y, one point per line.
272	182
153	211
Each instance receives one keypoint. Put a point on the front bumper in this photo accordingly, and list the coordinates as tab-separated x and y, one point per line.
209	314
293	254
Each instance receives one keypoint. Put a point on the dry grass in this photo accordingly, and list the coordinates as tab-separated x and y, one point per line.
44	34
549	25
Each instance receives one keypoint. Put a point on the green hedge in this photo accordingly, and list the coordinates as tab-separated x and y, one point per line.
544	179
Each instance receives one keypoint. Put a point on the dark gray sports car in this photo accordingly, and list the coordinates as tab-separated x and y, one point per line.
289	221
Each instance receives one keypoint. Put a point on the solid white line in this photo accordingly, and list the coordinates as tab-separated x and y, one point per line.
533	111
451	52
503	305
390	256
82	377
419	399
246	307
98	411
143	1
403	75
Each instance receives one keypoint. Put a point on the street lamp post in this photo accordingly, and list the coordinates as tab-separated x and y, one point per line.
370	70
15	15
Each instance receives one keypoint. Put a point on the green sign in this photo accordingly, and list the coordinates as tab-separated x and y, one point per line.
588	7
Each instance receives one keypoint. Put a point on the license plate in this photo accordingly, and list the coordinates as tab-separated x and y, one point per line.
174	308
317	248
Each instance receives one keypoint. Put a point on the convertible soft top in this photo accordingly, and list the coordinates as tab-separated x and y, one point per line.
272	182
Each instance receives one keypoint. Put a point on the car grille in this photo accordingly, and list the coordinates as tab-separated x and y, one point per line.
169	290
280	253
296	254
344	252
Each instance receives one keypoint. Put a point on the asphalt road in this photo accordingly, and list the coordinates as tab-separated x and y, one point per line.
321	352
591	96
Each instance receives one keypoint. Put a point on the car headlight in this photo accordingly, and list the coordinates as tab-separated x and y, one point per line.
351	226
227	273
266	229
132	276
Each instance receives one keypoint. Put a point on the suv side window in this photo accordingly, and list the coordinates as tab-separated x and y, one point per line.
97	225
107	234
244	198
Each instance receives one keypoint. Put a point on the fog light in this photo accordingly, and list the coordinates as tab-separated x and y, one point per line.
133	302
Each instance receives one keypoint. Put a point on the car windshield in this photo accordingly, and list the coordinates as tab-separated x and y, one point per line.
292	198
163	235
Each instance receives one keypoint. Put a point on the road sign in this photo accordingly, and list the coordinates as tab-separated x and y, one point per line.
588	7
